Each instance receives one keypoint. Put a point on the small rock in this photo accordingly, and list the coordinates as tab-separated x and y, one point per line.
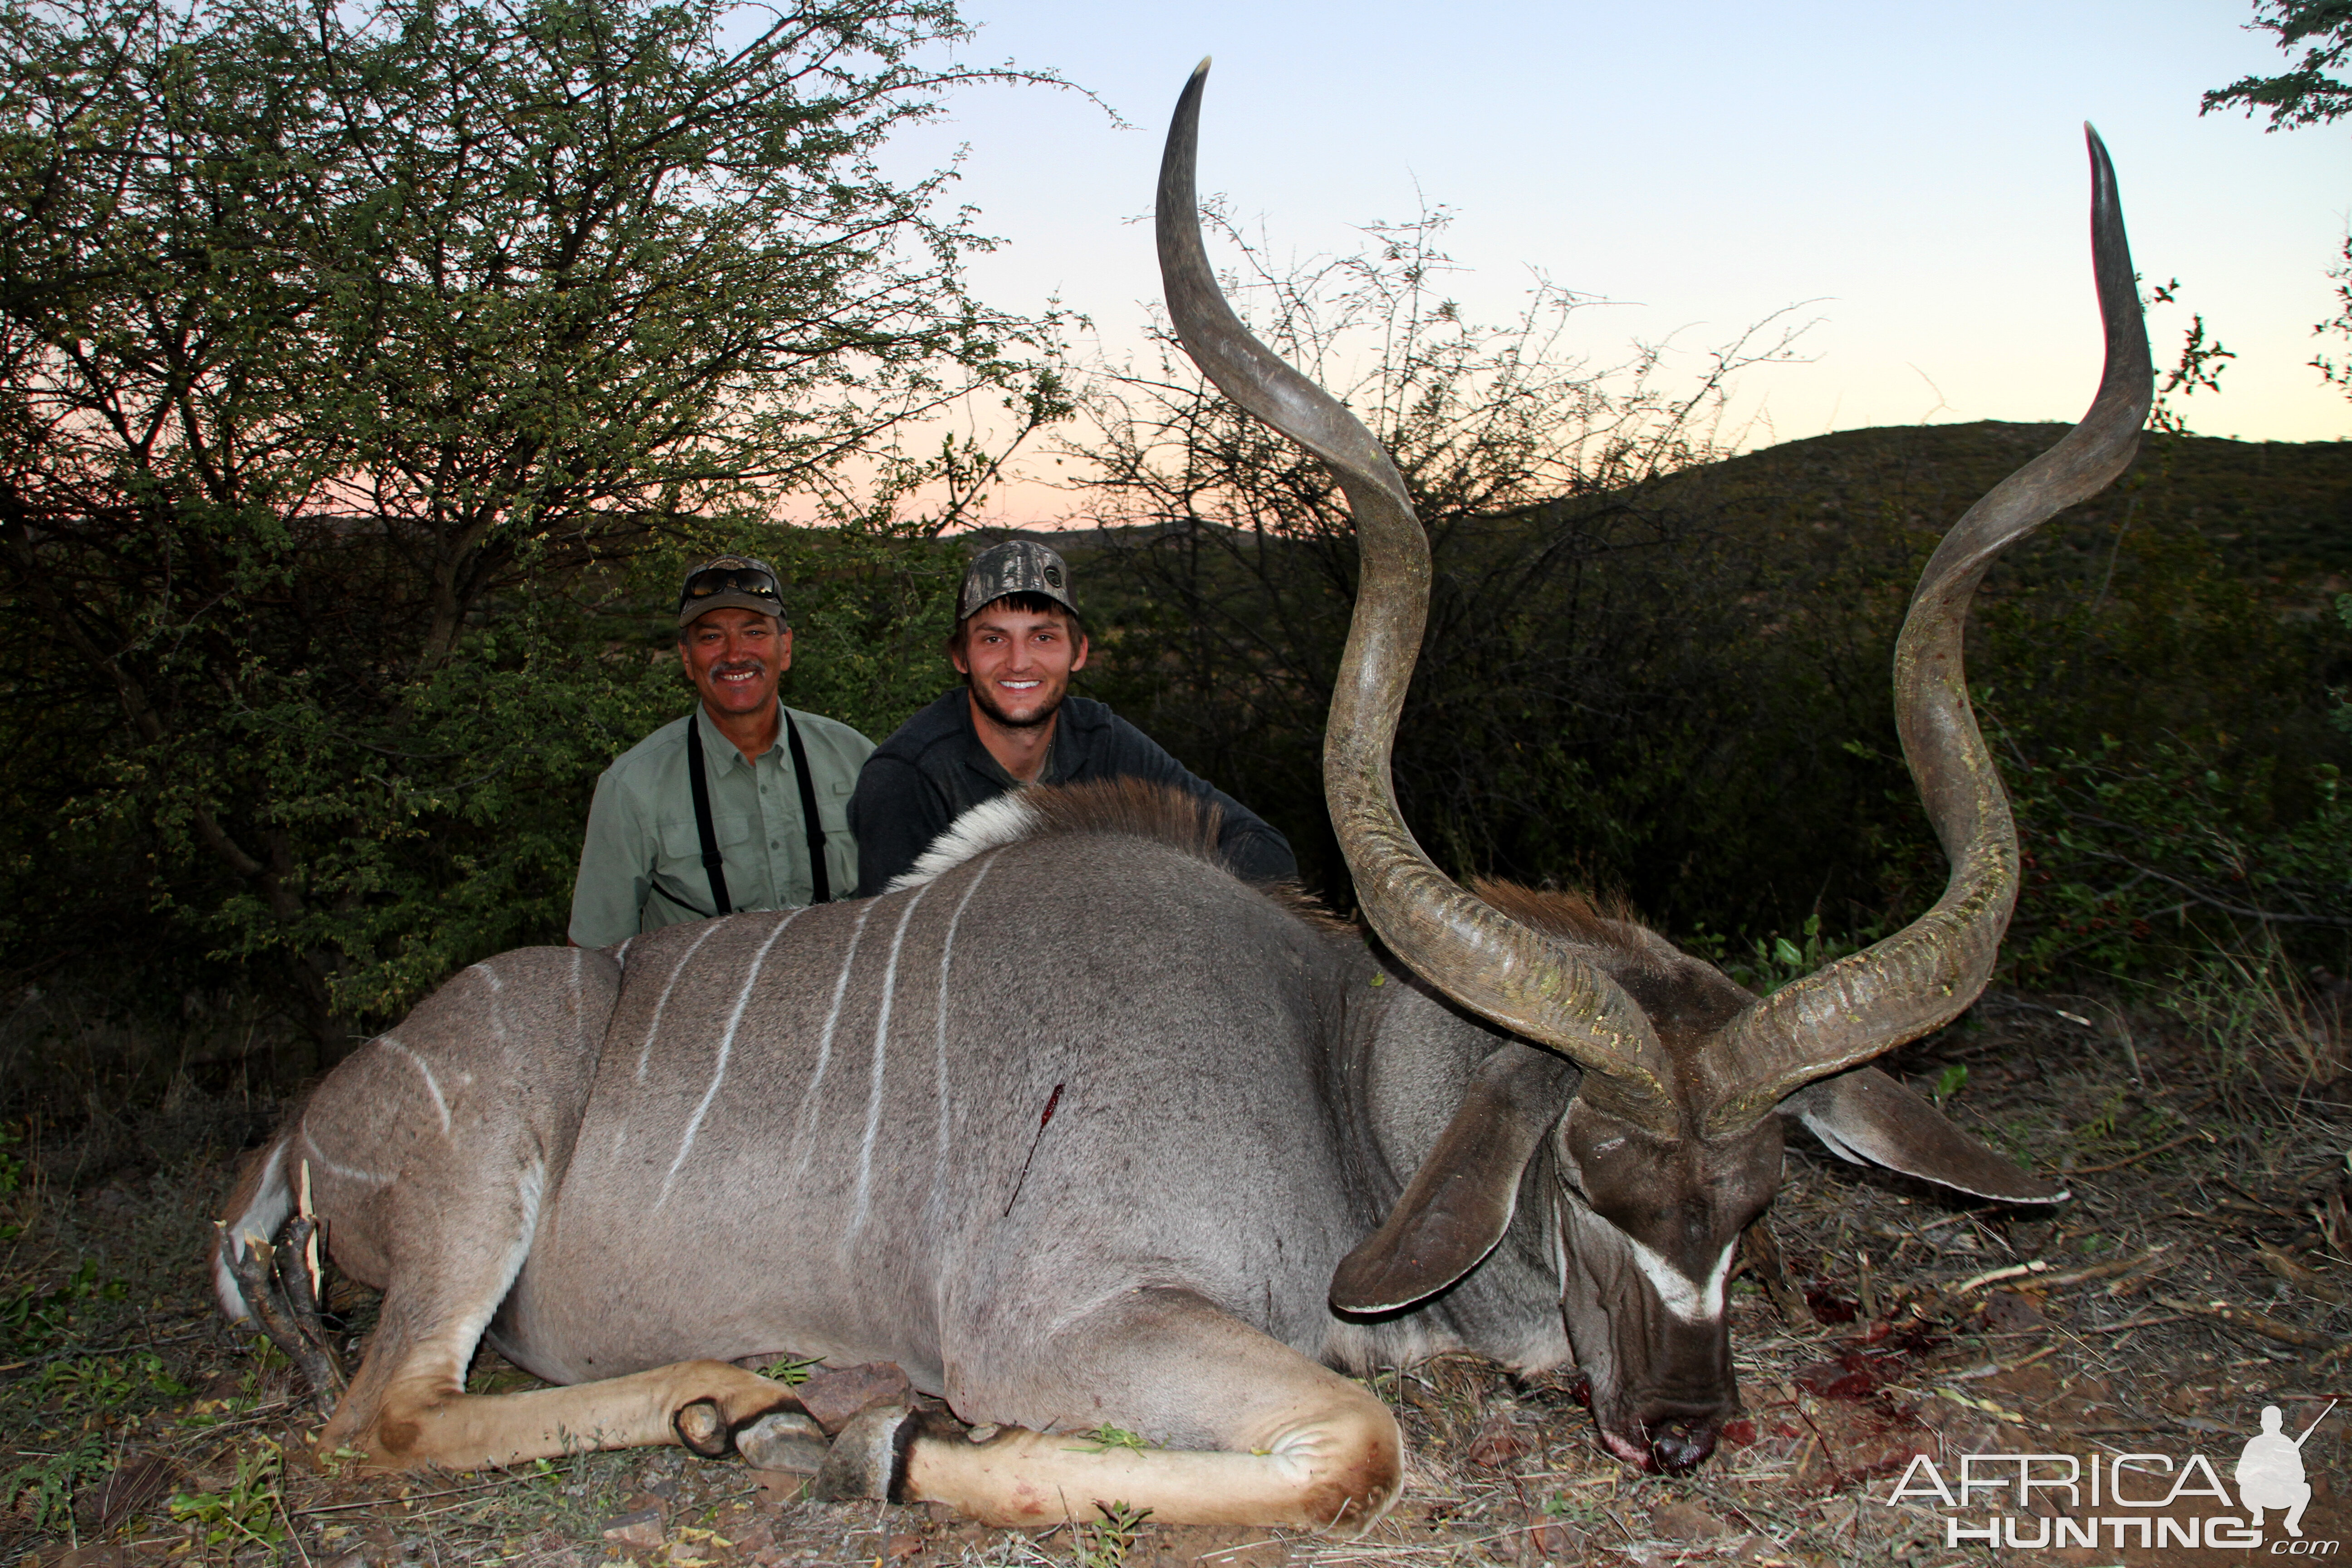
1559	1542
640	1529
903	1546
2010	1311
1687	1522
834	1396
1500	1440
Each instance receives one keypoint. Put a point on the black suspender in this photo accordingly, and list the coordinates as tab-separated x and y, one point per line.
698	782
820	890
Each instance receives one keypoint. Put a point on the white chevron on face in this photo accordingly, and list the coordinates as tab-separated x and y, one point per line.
1694	1301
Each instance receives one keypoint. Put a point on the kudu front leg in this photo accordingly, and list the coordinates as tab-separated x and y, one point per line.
1255	1432
408	1405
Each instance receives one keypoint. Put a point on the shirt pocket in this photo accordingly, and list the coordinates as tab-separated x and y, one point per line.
833	804
681	843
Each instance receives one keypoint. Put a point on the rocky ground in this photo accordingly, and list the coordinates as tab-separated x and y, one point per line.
2201	1270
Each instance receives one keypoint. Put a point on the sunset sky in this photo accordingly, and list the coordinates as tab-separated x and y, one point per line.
1910	176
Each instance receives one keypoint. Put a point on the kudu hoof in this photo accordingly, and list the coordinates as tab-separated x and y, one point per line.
870	1458
279	1292
702	1427
783	1440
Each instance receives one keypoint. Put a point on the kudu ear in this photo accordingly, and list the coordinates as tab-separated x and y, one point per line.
1460	1202
1866	1117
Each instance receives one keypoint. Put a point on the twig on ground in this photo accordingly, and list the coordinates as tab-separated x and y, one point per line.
2189	1137
1995	1276
2097	1271
2255	1322
2142	1322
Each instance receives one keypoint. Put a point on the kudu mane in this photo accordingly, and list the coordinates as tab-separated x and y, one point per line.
1118	809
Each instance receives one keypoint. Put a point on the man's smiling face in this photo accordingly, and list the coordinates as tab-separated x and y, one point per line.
1018	662
735	658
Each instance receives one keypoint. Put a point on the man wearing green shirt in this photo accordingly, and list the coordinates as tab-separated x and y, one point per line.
655	854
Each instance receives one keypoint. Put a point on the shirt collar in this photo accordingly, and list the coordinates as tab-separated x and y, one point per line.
718	751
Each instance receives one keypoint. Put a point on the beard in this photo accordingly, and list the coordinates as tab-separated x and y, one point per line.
981	695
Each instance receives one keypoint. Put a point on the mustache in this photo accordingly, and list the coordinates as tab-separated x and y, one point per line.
732	665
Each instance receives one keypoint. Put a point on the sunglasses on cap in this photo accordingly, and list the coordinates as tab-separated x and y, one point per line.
730	580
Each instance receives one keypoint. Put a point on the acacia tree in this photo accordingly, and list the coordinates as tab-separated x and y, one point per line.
2307	95
348	354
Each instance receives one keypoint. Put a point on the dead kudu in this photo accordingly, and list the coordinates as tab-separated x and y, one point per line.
1084	1133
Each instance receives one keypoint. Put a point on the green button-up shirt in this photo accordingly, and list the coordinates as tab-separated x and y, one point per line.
641	866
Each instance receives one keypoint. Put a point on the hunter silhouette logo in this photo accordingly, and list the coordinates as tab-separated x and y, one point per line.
2126	1499
2270	1471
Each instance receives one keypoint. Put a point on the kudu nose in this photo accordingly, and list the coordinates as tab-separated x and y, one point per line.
1682	1443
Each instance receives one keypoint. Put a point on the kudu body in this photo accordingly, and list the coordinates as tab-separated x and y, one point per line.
1082	1131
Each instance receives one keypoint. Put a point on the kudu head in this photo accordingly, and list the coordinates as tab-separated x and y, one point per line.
1669	1145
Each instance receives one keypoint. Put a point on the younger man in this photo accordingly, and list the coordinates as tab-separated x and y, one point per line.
1017	642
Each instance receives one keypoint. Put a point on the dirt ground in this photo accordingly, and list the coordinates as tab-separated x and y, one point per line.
2201	1270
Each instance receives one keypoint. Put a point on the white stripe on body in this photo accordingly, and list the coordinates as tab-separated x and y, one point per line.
646	1051
529	1191
726	1048
881	1053
498	1001
809	1103
939	1045
1685	1298
432	1084
334	1168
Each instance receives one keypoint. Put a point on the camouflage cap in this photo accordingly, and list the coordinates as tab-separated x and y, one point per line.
730	582
1015	566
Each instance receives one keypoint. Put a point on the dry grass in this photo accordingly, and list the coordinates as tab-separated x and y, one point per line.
2208	1168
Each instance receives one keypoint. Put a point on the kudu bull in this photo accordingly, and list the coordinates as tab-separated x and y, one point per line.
1082	1131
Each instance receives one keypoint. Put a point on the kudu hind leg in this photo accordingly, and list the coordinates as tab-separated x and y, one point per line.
268	1262
1280	1439
281	1294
